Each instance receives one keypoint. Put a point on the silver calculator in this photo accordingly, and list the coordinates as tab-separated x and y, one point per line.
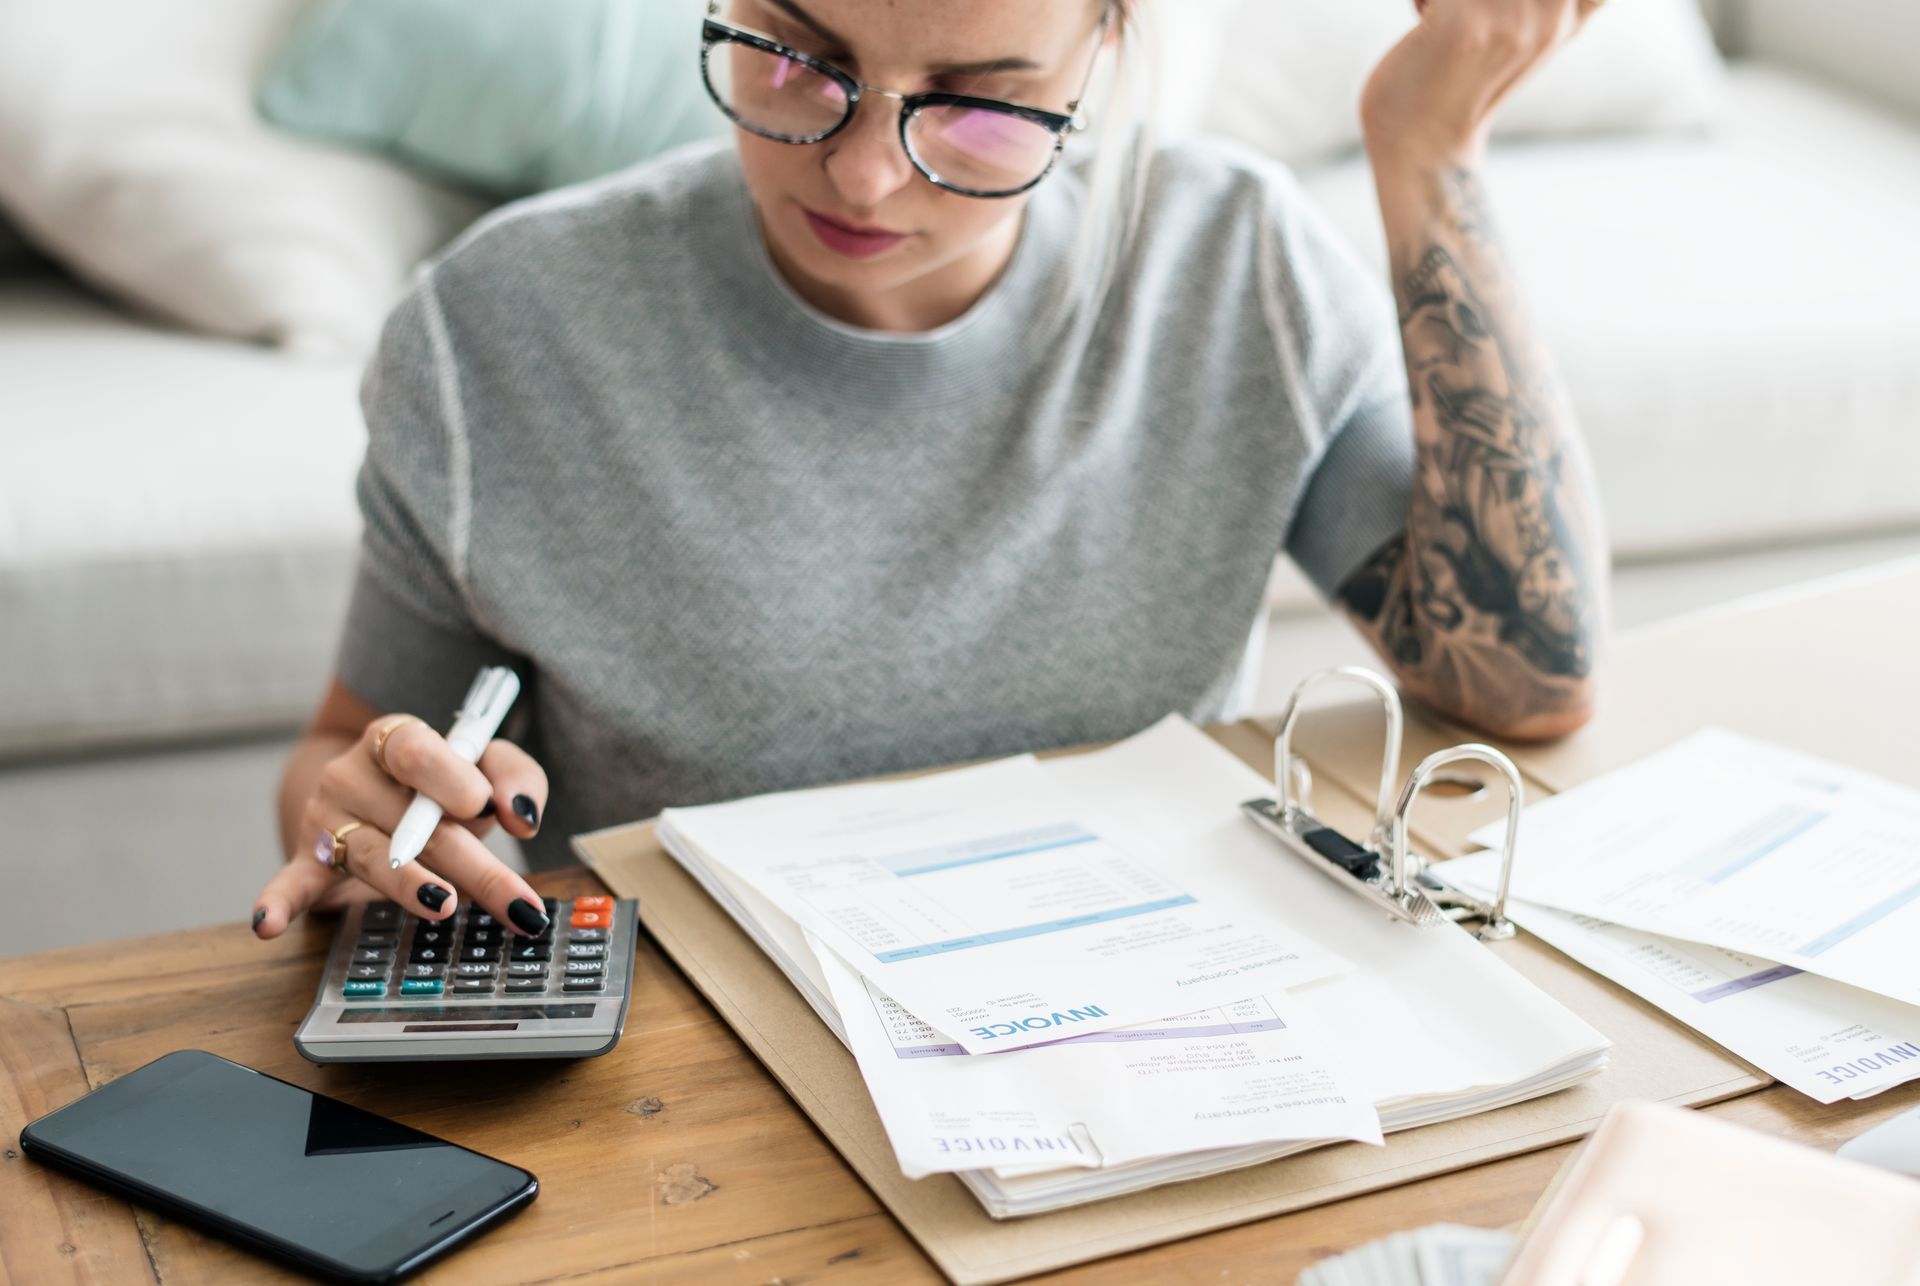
399	988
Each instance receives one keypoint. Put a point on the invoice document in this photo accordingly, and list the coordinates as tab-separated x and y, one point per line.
1723	840
1427	1025
1248	1072
1824	1038
1004	909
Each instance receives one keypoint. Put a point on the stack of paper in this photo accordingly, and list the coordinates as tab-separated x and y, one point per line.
1078	978
1442	1254
1766	898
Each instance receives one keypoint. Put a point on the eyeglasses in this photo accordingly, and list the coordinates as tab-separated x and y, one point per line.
980	147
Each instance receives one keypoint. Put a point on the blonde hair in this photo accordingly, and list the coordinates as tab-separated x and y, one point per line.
1124	101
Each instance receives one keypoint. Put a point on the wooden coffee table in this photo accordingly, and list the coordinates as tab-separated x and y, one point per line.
675	1158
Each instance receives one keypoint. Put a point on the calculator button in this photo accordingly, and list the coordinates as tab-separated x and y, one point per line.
381	939
529	951
472	969
586	950
593	904
364	988
527	969
372	956
385	915
582	984
433	935
585	966
479	937
479	919
587	935
420	987
428	955
592	919
425	971
526	984
487	953
362	973
473	986
550	903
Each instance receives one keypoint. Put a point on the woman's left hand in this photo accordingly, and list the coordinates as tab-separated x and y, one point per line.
1434	94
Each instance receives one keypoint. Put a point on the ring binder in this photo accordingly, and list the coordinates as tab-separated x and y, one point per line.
1384	870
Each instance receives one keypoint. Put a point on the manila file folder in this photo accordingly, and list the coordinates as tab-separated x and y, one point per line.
1653	1058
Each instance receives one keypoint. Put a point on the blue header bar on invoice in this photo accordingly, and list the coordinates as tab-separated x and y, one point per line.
1028	930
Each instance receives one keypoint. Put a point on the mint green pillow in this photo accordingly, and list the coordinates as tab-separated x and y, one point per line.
507	96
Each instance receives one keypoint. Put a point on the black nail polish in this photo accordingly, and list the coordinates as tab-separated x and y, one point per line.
486	810
259	914
526	810
527	917
432	896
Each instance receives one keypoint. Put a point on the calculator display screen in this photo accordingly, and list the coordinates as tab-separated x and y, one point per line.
314	1175
463	1013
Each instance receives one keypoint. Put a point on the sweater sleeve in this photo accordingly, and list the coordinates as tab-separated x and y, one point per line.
1339	335
411	642
1357	496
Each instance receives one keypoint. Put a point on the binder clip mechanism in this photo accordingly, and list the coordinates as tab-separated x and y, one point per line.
1383	869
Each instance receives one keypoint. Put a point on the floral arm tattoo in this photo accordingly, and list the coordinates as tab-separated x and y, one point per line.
1491	606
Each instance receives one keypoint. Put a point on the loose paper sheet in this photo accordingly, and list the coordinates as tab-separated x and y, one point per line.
1824	1038
1249	1072
1723	840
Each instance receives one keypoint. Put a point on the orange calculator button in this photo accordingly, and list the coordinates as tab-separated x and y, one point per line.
592	919
593	904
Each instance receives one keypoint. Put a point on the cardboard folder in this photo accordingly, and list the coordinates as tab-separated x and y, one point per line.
1653	1058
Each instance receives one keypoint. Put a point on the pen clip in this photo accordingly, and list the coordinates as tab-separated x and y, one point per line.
493	689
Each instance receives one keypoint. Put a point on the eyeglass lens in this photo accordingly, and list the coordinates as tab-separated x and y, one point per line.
976	148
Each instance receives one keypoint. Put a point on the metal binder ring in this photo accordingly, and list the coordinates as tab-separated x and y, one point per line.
1389	763
1497	926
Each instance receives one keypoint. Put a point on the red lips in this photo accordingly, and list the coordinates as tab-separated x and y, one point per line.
852	241
857	229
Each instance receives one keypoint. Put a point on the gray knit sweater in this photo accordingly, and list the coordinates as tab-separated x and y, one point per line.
735	546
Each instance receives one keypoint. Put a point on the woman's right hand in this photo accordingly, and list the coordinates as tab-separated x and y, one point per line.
357	786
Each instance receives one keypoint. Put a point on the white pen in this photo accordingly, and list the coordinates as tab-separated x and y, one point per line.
493	691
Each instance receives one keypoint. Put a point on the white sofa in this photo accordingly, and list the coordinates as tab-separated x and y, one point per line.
1735	315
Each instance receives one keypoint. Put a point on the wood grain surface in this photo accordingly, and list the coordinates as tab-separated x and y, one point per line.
674	1159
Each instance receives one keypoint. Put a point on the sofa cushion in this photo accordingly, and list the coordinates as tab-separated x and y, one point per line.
1734	315
131	151
1289	82
1870	46
177	525
510	96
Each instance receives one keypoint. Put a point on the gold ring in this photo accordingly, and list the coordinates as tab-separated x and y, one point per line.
331	847
387	729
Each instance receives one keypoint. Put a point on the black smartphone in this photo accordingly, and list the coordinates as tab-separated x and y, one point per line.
298	1176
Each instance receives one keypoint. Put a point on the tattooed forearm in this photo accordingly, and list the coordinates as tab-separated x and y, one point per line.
1492	605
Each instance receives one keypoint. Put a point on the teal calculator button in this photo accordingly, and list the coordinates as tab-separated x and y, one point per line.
420	987
365	988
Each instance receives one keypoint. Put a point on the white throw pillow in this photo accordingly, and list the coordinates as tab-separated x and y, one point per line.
1290	79
130	148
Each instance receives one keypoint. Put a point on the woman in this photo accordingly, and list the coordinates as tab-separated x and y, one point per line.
877	439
